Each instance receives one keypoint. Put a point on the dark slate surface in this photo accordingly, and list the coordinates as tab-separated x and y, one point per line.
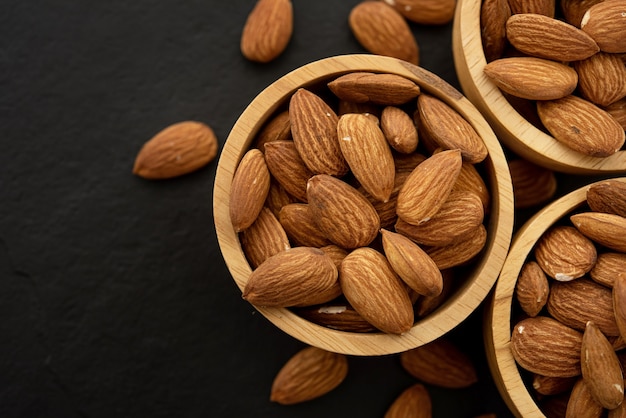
115	299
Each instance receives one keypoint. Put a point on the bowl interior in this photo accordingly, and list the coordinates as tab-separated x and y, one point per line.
483	274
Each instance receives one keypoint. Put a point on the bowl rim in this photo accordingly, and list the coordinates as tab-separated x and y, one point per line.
445	317
497	328
521	136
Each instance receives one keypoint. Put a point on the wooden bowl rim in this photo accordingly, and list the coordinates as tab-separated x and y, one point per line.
513	130
463	302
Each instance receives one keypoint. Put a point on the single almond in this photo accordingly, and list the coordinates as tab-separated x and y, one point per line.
249	189
532	288
532	184
608	196
291	277
542	7
278	128
375	291
300	225
383	89
574	10
287	167
607	267
399	129
267	30
606	24
605	229
309	374
602	78
179	149
264	238
340	316
493	17
413	402
365	148
441	363
314	132
564	253
459	252
550	385
546	37
425	12
581	403
449	130
381	30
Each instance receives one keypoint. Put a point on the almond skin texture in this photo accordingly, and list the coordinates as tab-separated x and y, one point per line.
582	126
542	7
249	189
545	346
532	288
285	164
459	252
277	197
440	363
413	402
470	180
607	268
381	30
375	291
365	148
449	130
532	78
343	214
547	385
532	184
493	17
603	228
267	30
399	129
264	238
176	150
618	111
574	10
581	403
387	210
601	368
314	131
425	12
382	89
300	225
309	374
605	22
545	37
277	129
608	196
428	187
602	78
290	278
564	253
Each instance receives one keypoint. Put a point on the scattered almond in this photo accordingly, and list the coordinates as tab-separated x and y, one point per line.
413	402
267	30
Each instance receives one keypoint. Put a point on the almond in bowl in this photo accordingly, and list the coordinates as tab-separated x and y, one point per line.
352	216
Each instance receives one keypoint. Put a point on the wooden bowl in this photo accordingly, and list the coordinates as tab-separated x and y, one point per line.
480	278
497	328
515	132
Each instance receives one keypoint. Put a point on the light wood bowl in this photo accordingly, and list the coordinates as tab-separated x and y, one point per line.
480	278
497	328
515	132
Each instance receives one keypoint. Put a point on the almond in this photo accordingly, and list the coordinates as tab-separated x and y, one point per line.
440	363
428	187
532	78
365	148
605	22
375	291
176	150
542	7
579	301
619	412
582	126
278	128
267	30
291	277
314	132
428	304
264	238
493	17
277	197
607	267
408	162
459	252
574	10
425	12
382	89
285	164
449	130
413	402
309	374
619	302
545	37
550	385
301	226
387	210
532	288
381	30
341	317
337	254
399	129
532	184
346	106
602	78
618	111
343	214
608	196
581	403
545	346
470	180
601	369
249	189
412	264
603	228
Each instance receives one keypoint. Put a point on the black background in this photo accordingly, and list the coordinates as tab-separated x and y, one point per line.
115	299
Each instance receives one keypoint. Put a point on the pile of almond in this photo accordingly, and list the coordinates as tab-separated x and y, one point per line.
562	66
572	295
357	201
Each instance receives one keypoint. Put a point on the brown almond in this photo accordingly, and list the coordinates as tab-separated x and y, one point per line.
267	30
249	189
278	128
375	291
367	153
605	23
605	229
428	304
618	111
309	374
579	301
425	12
399	129
459	252
581	403
314	132
301	226
428	187
545	37
277	197
381	30
607	267
619	412
564	253
532	288
608	196
574	10
470	180
264	238
387	210
542	7
440	363
346	106
179	149
291	277
341	317
602	78
532	78
408	162
383	89
619	303
343	214
582	126
493	17
532	184
413	402
545	346
601	369
285	164
449	130
550	385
